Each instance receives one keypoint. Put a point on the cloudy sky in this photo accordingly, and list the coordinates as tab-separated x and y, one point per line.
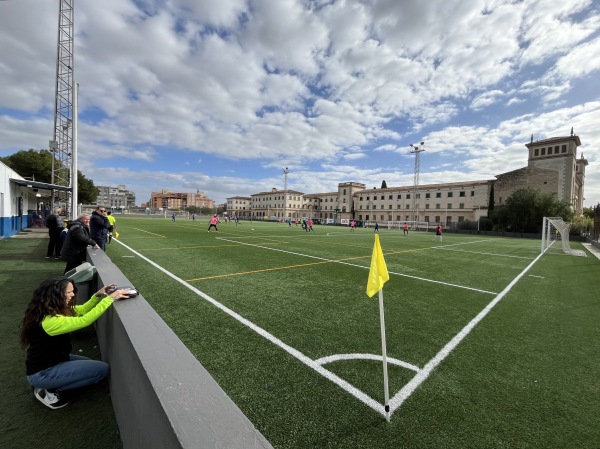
221	95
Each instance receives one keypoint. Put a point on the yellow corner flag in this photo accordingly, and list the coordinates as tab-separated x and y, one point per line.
378	273
116	235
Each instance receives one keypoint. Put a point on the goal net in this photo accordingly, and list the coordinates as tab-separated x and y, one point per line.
412	225
555	237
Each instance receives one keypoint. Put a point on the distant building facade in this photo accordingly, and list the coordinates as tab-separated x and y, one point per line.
115	197
552	167
239	206
178	200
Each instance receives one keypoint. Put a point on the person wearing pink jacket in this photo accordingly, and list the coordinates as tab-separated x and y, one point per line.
213	223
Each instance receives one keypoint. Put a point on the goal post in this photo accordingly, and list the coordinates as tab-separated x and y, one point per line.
555	237
412	225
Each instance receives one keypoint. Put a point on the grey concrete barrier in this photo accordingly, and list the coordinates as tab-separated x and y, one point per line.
162	396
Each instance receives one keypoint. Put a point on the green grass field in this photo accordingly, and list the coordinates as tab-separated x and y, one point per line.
488	345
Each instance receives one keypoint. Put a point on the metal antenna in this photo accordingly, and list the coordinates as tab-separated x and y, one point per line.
62	139
285	173
417	149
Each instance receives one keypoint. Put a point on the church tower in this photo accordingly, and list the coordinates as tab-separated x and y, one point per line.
559	154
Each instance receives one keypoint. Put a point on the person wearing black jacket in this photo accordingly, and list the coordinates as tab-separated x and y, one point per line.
76	242
99	227
55	225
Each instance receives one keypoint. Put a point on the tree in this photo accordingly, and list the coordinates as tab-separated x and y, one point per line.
31	164
525	209
87	192
38	164
384	185
588	212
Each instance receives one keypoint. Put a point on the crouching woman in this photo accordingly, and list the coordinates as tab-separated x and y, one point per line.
50	316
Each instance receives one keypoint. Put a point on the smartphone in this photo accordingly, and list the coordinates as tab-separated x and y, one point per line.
111	288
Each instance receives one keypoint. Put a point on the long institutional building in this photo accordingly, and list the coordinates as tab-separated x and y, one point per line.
552	167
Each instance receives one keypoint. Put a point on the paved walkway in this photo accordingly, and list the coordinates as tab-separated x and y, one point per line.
32	233
592	249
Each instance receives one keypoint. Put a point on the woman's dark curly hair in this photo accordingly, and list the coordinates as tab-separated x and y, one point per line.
48	299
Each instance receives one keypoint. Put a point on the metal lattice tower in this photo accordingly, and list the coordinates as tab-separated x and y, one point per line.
417	149
285	172
61	145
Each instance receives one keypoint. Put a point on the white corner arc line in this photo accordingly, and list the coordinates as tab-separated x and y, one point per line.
349	388
423	374
374	357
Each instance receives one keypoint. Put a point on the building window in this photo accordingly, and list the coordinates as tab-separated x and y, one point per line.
390	206
543	151
449	206
438	194
437	206
472	192
399	197
450	194
427	207
556	149
461	219
564	149
390	197
536	152
462	193
428	195
408	196
344	191
461	205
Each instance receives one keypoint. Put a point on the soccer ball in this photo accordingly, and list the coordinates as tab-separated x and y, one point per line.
253	229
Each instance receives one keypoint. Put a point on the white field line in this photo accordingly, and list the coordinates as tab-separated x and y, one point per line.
375	357
484	254
366	399
361	266
424	373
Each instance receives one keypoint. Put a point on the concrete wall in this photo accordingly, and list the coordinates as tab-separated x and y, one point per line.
162	396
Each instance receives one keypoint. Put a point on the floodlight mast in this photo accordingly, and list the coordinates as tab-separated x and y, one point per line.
285	185
62	140
417	149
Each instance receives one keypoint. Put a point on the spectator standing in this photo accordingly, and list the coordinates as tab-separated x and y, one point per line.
113	225
376	227
55	225
99	227
77	240
173	217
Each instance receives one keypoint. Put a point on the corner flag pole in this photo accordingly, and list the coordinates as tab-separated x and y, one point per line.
378	275
386	389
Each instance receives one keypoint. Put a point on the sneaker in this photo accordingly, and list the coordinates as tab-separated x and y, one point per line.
47	257
50	398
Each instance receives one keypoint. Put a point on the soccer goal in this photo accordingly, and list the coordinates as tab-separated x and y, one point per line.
555	237
412	225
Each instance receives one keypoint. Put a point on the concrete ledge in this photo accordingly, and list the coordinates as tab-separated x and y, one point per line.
162	396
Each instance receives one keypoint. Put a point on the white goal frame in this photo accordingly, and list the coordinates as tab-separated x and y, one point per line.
555	229
412	225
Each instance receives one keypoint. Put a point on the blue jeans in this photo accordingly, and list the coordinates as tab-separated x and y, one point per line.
76	373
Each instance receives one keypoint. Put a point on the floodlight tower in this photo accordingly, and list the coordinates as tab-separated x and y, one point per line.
61	144
417	149
285	173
